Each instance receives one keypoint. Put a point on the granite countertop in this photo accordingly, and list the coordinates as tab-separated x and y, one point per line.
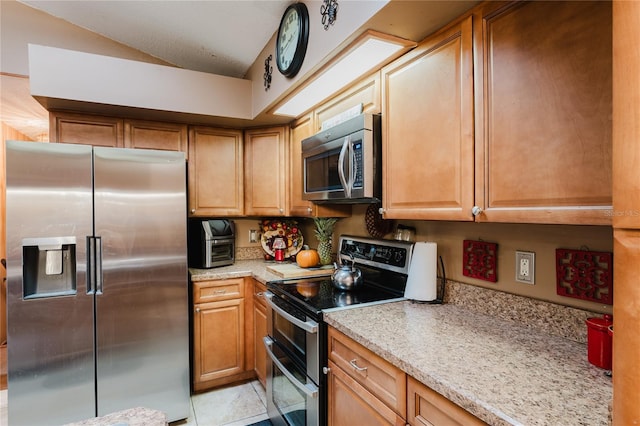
501	371
256	268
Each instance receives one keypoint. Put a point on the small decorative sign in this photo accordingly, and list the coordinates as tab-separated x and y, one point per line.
479	260
586	275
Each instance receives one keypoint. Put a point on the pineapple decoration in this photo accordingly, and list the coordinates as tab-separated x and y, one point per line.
324	234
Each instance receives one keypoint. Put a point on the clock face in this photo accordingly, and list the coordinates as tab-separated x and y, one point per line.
293	35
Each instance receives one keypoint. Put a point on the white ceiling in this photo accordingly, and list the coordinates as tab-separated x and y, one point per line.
215	36
221	37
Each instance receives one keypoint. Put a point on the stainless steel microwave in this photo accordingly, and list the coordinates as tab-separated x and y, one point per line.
342	164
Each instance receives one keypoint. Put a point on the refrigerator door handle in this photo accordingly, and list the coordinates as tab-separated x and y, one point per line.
98	263
91	265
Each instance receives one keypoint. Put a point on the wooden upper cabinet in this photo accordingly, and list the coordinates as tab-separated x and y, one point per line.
365	92
215	172
301	129
427	140
266	172
155	135
544	100
85	129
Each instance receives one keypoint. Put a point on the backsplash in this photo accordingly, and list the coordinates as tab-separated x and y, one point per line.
249	253
544	316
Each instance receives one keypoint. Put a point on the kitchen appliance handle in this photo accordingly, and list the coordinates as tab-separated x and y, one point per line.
98	263
341	166
308	388
309	326
91	265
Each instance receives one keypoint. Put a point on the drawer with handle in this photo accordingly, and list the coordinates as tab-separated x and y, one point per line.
209	291
384	380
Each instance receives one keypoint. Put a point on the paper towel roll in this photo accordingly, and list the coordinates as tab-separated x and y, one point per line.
422	283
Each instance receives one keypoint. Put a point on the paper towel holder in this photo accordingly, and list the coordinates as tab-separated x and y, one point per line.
439	300
440	291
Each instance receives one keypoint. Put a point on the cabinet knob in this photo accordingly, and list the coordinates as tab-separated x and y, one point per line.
193	210
326	370
197	310
476	210
381	210
309	209
281	210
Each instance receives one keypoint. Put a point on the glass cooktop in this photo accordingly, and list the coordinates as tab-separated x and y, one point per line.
318	294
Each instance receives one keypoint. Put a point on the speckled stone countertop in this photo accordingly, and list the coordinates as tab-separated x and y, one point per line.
256	268
501	372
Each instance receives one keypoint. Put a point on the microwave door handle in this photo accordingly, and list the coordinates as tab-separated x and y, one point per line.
341	166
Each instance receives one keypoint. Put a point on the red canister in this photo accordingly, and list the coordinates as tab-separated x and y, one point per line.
599	341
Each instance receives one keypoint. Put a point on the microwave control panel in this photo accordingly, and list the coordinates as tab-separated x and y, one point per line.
359	164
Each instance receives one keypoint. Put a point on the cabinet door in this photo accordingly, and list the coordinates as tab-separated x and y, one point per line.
155	135
301	129
218	340
266	172
428	408
260	330
85	129
351	404
427	143
547	102
216	175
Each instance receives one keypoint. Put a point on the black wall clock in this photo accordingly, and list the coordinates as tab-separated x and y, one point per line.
293	36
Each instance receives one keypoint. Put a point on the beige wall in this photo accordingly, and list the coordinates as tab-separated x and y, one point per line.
541	239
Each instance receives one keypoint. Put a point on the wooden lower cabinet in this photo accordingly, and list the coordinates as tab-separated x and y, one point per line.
427	407
362	387
222	335
259	331
351	404
365	389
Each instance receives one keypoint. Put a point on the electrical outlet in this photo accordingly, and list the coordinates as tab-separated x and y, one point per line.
254	235
525	267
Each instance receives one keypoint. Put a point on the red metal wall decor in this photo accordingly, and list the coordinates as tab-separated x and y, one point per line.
586	275
479	260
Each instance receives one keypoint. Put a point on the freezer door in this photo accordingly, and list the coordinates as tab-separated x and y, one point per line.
49	310
141	303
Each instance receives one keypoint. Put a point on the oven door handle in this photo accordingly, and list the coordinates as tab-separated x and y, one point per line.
309	326
309	389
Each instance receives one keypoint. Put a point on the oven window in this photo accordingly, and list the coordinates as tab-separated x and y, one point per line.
322	172
294	394
290	401
221	252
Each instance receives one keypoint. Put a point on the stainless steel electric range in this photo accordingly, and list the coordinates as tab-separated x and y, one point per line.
297	336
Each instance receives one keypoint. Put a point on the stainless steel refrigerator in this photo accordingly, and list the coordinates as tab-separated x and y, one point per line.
97	278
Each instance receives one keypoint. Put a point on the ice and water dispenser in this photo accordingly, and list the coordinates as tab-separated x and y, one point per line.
49	267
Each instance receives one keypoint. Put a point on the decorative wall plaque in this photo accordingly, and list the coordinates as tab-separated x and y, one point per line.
329	12
268	71
479	260
586	275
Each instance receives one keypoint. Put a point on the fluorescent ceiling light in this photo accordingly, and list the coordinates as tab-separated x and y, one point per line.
370	52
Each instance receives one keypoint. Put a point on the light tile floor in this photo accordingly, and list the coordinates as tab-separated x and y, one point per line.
238	405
